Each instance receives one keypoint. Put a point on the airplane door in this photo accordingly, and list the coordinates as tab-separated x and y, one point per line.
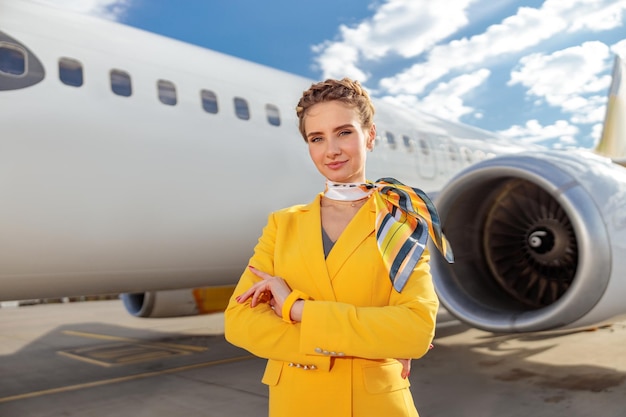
19	67
453	157
426	160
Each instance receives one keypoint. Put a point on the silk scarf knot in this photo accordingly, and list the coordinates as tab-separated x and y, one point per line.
405	218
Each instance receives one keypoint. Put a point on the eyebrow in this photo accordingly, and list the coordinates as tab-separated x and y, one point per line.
344	126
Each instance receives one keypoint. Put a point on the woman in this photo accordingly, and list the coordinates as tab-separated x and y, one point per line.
317	300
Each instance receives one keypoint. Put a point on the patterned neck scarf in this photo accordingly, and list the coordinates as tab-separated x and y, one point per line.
405	217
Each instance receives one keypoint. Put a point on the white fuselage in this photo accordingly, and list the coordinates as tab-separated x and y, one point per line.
104	193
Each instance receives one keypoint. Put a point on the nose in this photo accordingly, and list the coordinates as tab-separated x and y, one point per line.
332	149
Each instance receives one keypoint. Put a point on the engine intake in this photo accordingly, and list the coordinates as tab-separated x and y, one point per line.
531	249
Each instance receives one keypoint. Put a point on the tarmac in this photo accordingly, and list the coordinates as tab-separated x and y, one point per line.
93	359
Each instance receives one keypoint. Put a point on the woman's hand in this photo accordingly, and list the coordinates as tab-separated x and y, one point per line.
406	365
271	290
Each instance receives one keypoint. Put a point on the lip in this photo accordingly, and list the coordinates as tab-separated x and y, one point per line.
336	165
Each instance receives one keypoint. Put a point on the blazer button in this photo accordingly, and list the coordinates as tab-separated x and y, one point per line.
318	350
326	352
333	353
341	354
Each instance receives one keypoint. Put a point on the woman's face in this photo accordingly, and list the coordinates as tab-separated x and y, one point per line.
337	141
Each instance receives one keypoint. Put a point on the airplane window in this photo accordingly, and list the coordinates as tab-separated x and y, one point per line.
273	115
71	72
12	60
209	101
468	155
391	140
241	108
408	143
120	83
425	147
452	152
167	92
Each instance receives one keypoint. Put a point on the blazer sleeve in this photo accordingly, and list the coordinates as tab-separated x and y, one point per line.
402	329
259	330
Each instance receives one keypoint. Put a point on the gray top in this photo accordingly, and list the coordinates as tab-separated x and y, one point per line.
328	244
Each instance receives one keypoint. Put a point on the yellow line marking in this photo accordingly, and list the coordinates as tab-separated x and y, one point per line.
128	339
85	359
109	356
120	379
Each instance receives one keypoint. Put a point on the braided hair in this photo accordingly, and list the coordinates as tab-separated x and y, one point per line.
346	91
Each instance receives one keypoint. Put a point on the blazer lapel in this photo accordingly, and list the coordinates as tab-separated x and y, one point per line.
360	227
312	251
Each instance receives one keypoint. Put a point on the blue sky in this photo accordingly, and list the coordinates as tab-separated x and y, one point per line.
536	71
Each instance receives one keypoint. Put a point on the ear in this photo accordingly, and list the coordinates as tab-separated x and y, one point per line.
369	144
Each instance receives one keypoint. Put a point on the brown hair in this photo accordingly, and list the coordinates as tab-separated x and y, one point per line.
346	90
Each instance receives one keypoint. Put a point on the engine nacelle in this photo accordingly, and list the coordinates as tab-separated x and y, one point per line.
538	240
178	303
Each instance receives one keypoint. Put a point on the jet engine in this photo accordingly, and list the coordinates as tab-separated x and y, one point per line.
178	303
534	238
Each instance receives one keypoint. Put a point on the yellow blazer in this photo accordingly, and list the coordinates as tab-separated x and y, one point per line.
339	361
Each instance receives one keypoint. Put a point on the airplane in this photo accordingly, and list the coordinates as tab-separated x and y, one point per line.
136	164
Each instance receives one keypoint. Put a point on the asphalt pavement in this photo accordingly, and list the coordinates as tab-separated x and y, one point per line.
93	359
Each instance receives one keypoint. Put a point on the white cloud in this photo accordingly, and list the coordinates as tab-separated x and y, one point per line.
421	36
403	27
534	132
586	110
446	99
565	77
410	27
415	79
620	49
107	9
338	60
596	133
516	33
598	15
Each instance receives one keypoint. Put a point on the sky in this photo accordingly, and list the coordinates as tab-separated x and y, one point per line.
536	71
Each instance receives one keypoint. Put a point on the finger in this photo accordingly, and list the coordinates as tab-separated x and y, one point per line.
262	295
258	273
406	367
246	294
250	291
255	298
